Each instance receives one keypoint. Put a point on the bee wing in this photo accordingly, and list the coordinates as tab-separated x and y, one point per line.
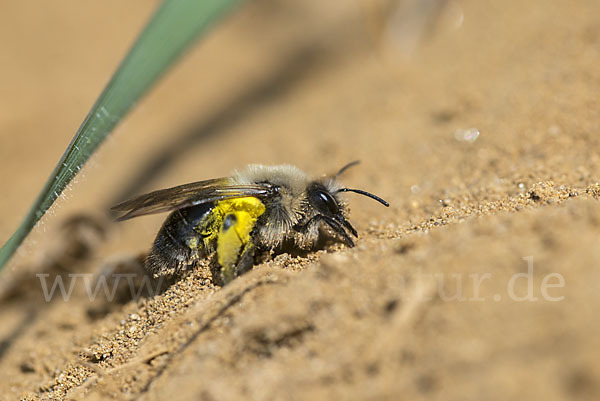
187	195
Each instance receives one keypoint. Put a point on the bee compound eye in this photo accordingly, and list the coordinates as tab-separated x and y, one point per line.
329	202
229	221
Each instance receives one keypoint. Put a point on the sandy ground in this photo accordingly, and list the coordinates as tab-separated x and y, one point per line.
478	283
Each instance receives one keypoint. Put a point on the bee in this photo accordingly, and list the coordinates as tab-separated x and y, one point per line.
258	209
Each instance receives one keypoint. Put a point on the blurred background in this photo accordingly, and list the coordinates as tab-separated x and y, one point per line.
278	82
396	84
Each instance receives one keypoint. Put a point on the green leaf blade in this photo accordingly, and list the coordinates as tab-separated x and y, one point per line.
171	30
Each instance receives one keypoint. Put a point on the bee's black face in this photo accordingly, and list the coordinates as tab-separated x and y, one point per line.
323	201
329	212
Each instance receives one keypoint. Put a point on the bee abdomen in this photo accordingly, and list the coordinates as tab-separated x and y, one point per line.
178	245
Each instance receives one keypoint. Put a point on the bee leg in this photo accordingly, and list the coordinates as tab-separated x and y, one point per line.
235	250
246	260
229	246
335	225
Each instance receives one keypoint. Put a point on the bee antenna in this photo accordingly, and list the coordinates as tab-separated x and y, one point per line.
365	193
346	167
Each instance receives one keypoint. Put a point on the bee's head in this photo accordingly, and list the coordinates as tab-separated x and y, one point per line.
323	198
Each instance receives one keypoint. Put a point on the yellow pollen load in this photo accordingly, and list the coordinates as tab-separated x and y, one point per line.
238	217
